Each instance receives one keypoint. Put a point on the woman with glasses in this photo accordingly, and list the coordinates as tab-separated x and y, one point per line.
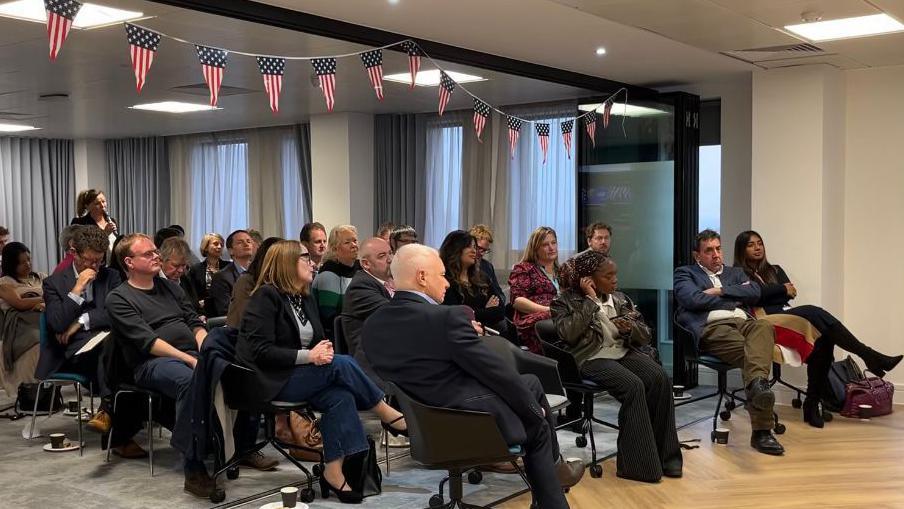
281	339
21	303
467	284
484	237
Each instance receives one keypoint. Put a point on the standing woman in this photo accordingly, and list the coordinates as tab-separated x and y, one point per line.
534	283
201	273
91	210
468	285
777	291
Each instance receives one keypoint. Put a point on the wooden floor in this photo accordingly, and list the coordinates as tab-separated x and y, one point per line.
849	463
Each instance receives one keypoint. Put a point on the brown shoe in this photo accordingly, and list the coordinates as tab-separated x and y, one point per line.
503	467
130	451
199	484
569	472
259	461
100	423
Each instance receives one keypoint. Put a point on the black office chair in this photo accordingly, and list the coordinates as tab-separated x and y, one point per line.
340	345
216	321
240	392
527	363
453	440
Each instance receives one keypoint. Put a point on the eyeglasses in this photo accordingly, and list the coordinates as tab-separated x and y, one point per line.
150	255
484	250
90	260
306	257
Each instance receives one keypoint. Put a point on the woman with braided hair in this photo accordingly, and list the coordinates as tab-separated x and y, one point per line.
602	329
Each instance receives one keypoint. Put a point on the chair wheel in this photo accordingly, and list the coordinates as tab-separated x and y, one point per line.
596	471
436	501
730	405
217	495
580	441
475	476
796	403
725	415
779	429
712	436
827	416
232	473
316	470
307	495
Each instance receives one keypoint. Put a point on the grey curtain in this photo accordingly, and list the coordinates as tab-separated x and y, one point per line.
37	194
400	177
139	183
303	133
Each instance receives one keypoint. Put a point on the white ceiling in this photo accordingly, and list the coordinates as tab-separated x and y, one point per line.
94	70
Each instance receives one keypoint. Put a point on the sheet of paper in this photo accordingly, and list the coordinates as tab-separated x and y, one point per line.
96	340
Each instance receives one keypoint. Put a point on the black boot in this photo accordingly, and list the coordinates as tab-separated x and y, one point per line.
876	362
818	365
813	412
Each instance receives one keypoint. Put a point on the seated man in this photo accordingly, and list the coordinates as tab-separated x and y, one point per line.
174	257
370	289
241	249
599	238
159	335
433	353
401	236
66	239
313	237
710	297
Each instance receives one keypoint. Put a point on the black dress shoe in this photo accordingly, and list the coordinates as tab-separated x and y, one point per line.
199	483
672	469
813	412
345	497
763	441
759	394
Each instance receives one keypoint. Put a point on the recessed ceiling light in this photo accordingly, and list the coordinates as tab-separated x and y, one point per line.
619	109
14	128
430	78
846	28
174	107
394	2
89	16
600	51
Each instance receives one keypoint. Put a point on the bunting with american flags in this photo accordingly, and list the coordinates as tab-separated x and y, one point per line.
514	130
143	45
213	64
446	87
590	125
325	68
272	70
481	114
607	109
60	14
414	60
373	64
567	128
543	137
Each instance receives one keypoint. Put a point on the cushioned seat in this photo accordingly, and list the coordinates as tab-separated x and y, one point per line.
557	401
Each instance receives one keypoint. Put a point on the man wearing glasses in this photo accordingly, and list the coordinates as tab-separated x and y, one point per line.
484	237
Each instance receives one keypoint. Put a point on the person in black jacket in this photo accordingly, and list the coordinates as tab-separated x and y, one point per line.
281	339
370	288
241	248
484	237
467	283
777	291
434	354
201	274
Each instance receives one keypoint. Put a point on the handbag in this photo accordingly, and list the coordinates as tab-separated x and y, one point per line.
872	391
300	429
841	374
362	472
50	397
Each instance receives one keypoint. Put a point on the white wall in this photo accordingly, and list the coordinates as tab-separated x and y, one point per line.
90	169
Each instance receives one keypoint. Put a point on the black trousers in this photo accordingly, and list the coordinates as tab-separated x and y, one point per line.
647	439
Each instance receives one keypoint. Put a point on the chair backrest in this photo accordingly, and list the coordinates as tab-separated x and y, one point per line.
450	438
339	343
568	366
241	390
44	334
525	362
216	321
691	353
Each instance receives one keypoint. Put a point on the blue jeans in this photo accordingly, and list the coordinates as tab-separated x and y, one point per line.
338	390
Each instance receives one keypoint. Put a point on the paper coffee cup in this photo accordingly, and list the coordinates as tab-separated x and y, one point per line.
56	440
865	411
721	435
678	390
72	406
289	496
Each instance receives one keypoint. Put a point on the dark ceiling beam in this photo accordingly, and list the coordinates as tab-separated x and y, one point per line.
280	17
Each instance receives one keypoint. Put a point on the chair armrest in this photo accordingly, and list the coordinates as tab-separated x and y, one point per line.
544	368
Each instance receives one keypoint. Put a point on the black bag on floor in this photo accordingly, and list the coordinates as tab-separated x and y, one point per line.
842	373
25	398
362	472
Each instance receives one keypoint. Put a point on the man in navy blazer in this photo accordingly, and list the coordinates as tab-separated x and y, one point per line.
433	353
712	299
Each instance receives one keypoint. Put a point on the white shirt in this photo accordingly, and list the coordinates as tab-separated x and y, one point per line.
721	314
85	319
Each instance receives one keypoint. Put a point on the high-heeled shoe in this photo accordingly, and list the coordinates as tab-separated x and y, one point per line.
346	497
812	410
394	431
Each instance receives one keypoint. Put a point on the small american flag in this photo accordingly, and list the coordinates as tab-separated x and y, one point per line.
373	63
514	130
213	64
590	125
272	70
607	109
481	113
60	14
142	46
567	128
446	87
543	136
325	68
414	59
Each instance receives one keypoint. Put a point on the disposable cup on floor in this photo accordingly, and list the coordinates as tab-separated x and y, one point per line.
721	435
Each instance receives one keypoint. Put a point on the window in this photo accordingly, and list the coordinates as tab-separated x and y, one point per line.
444	145
219	188
710	187
294	207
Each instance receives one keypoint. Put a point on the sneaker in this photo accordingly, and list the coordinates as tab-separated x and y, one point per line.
100	423
259	461
130	450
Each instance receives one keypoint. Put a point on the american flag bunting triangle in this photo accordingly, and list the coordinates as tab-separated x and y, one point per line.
272	70
590	125
567	128
481	113
514	130
213	64
446	87
414	60
373	64
60	14
607	109
325	68
143	45
543	137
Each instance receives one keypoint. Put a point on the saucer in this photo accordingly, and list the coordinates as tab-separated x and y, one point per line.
71	447
278	505
683	397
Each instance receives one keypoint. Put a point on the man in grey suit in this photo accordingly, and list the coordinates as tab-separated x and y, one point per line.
711	301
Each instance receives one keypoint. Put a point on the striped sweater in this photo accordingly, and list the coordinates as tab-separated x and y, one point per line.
329	287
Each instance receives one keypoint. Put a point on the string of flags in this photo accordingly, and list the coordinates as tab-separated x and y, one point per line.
144	44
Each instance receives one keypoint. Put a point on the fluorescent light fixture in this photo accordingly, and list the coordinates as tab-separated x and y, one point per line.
89	16
15	128
846	28
174	107
600	51
619	109
430	78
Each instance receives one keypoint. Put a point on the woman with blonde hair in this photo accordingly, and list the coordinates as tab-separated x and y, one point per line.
534	283
201	274
340	263
281	339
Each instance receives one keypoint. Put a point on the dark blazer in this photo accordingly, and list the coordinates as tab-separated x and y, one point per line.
363	296
61	311
217	301
490	273
197	277
87	220
694	305
269	338
774	296
432	353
